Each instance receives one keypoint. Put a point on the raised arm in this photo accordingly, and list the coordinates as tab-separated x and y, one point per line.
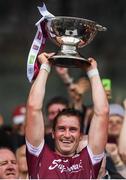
64	74
34	130
98	131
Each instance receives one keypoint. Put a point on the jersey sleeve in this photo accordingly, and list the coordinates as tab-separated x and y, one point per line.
95	158
34	150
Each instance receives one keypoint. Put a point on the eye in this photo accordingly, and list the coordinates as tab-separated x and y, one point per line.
110	122
118	122
61	128
13	162
73	129
3	163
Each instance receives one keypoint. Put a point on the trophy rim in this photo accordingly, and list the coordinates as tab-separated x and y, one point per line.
98	26
72	17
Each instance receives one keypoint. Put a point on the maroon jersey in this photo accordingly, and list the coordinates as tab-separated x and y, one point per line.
49	165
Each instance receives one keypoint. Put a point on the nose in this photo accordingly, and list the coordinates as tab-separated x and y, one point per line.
67	133
114	123
11	165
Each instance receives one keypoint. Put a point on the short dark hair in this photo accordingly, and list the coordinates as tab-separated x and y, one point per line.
57	100
70	112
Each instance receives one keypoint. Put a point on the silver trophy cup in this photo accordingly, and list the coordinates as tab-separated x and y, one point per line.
70	34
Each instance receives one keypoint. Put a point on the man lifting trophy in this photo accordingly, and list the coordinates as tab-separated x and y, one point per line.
69	33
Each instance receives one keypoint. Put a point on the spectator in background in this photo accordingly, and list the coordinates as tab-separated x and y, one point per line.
108	169
8	164
22	163
12	136
76	89
116	119
107	172
5	134
5	138
64	162
55	105
18	125
18	119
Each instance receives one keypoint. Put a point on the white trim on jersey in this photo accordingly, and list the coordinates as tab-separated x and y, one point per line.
95	158
34	150
37	150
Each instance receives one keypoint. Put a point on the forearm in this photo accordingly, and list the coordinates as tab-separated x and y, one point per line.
65	76
67	79
37	92
99	124
99	98
34	120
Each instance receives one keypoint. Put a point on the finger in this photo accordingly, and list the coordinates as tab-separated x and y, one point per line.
42	57
90	59
50	54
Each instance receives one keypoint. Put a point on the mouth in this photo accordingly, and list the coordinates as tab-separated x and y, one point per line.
66	142
10	173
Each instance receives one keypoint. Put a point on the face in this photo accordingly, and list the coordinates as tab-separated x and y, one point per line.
74	95
67	135
115	125
54	109
8	165
20	128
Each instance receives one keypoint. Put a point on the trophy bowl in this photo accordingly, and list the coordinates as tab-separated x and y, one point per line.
70	34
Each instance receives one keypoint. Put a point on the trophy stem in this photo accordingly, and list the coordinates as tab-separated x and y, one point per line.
68	56
69	45
68	49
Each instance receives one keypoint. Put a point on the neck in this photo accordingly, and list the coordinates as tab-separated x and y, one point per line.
65	155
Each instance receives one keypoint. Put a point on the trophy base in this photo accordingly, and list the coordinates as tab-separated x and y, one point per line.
68	61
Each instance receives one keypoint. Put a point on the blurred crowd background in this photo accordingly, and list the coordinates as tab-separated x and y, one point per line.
17	31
